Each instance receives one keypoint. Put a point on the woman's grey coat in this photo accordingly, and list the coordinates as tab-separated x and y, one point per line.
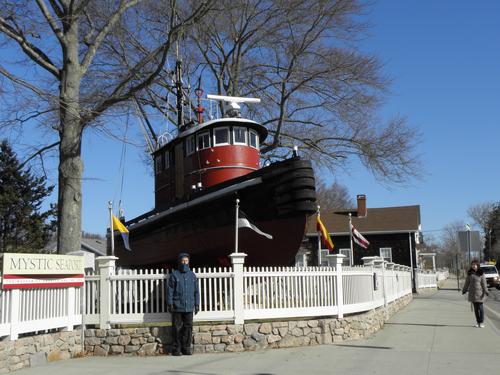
475	284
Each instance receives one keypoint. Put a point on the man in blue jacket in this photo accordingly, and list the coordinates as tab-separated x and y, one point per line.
183	298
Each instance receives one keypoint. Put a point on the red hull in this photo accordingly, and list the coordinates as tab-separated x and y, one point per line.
211	247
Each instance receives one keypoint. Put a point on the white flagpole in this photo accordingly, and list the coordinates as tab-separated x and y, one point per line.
236	226
111	231
350	240
319	240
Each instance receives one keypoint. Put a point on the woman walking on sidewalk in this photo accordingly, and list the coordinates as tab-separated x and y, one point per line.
475	285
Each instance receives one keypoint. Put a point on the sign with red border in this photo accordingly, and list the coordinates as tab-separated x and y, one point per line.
24	271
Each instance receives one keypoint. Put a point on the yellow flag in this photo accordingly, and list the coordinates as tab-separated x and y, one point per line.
118	225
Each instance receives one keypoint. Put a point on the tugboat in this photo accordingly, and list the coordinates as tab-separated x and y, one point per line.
198	177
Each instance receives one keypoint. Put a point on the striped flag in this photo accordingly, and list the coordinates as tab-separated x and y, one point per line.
320	227
244	222
118	225
358	237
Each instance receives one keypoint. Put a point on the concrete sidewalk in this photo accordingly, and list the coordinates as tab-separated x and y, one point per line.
433	335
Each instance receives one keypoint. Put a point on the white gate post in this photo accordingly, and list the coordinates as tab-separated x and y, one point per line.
106	267
15	301
238	261
338	258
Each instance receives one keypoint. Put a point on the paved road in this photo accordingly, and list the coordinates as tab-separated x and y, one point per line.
434	335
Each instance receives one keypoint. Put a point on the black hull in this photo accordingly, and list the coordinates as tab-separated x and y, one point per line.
277	198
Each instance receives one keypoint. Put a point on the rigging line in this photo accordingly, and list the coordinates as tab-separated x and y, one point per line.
121	165
122	162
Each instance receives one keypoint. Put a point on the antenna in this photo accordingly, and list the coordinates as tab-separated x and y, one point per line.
234	103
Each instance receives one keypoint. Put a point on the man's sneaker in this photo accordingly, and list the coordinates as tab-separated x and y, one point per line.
482	325
187	352
176	353
477	325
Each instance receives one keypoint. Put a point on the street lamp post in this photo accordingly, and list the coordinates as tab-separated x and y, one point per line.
468	239
489	244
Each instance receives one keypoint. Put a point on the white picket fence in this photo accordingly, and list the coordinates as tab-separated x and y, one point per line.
238	293
121	296
33	310
425	279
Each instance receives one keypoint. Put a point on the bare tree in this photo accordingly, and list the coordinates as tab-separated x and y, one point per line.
448	244
319	91
334	196
84	59
480	213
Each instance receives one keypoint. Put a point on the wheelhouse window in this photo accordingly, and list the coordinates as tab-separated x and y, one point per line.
203	140
190	145
386	253
166	158
254	139
221	136
158	164
240	135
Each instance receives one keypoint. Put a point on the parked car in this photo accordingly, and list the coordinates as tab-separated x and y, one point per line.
491	274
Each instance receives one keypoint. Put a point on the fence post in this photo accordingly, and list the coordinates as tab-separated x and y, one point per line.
416	281
337	259
390	292
106	268
379	262
238	260
15	302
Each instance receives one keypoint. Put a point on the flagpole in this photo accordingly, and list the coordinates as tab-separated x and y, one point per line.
319	240
111	232
236	226
350	240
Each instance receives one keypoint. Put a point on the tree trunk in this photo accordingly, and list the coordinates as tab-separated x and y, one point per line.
69	232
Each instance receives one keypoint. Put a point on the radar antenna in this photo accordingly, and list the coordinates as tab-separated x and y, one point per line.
234	103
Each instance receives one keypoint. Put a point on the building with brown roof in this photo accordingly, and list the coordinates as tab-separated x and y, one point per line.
393	232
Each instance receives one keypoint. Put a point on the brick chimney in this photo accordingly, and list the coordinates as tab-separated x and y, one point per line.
362	211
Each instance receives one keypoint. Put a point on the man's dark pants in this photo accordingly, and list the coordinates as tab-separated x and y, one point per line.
182	331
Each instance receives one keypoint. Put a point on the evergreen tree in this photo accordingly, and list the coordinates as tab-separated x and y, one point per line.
24	227
492	233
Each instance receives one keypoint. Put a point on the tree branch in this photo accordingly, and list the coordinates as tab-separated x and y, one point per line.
23	83
52	22
94	46
33	52
39	152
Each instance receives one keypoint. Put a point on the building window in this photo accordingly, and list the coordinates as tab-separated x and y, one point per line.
386	253
203	140
158	166
324	259
221	136
240	135
254	139
347	261
190	145
166	158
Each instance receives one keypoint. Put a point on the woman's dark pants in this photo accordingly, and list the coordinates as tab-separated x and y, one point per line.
479	311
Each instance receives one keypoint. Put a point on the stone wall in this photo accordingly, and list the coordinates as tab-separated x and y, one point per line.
31	351
34	350
208	338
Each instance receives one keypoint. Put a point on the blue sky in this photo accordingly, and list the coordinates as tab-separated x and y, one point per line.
444	60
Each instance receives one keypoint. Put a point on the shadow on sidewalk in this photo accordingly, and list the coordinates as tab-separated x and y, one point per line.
427	325
366	346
